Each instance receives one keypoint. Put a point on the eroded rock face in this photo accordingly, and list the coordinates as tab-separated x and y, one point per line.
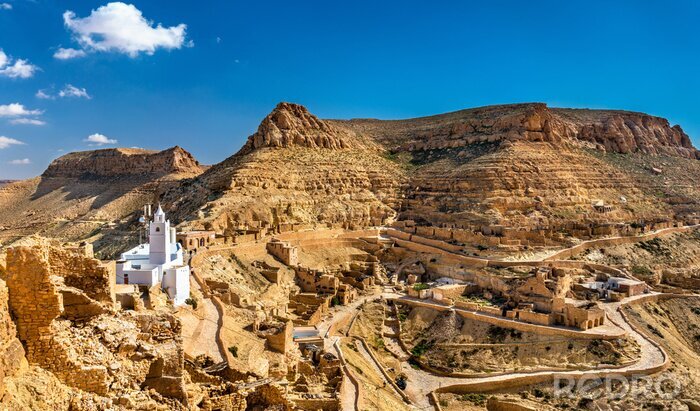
290	125
612	130
117	162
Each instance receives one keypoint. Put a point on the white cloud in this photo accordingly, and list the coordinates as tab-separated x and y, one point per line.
5	6
121	27
67	91
70	90
67	54
28	121
6	142
44	95
16	110
19	69
98	139
22	161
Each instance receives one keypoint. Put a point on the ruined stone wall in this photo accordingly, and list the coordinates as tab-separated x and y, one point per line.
88	274
496	319
282	341
285	252
11	351
611	242
35	302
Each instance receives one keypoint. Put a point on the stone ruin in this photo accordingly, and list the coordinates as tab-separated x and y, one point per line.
63	304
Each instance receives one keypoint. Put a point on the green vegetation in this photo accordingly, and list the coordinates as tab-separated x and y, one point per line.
642	271
378	342
476	399
655	247
191	302
335	301
403	159
477	299
233	350
422	347
539	393
420	286
696	310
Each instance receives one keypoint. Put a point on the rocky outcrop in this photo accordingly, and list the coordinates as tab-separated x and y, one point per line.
611	130
119	162
291	125
627	132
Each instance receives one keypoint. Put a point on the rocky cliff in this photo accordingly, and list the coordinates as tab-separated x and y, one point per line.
609	130
117	162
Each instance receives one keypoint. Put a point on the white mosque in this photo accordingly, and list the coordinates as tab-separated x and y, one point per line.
160	261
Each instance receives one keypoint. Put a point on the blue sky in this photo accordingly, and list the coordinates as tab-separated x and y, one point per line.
206	86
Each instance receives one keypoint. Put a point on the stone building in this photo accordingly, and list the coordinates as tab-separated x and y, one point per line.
194	240
160	261
285	252
626	286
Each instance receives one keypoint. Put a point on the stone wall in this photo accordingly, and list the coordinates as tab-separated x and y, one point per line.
11	351
286	253
36	303
88	274
494	318
611	242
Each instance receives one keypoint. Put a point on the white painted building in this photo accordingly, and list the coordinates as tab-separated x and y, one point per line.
160	261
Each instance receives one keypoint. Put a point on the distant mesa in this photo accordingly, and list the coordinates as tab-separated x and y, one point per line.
115	162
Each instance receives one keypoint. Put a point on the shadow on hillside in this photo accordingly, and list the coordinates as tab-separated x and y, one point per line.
103	191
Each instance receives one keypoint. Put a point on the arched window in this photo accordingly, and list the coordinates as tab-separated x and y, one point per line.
157	229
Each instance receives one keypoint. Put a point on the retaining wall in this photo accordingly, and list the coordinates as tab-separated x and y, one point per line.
513	324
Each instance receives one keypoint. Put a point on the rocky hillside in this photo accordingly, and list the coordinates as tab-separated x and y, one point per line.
519	165
91	193
295	168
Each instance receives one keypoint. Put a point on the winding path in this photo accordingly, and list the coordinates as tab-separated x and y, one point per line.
652	359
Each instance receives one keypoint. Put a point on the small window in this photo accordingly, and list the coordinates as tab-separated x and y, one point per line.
157	229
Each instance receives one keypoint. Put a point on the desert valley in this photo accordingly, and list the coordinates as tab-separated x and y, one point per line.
510	257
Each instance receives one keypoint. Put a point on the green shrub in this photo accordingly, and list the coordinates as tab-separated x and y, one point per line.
192	301
420	286
476	399
421	348
233	350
